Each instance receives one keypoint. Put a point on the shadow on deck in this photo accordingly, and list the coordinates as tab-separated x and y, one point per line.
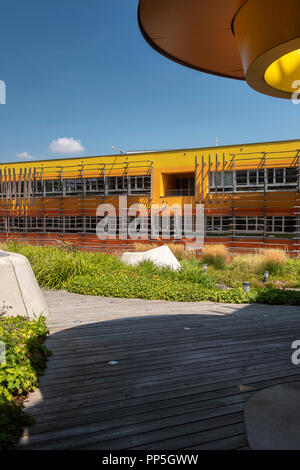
182	377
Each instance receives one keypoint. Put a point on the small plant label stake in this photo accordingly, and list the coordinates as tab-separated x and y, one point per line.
4	308
2	352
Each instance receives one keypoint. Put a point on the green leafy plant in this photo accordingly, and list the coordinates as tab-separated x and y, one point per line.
102	274
25	360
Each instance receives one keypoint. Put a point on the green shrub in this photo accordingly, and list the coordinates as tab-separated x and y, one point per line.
102	274
25	360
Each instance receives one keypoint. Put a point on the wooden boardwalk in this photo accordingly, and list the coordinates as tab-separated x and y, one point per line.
183	372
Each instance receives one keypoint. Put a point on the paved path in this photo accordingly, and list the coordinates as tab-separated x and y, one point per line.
184	372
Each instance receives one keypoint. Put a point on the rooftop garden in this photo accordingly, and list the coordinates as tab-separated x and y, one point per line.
106	275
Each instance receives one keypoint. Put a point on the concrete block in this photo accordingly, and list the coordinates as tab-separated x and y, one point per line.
20	293
161	257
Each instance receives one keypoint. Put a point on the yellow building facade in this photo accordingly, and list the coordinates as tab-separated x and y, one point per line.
250	194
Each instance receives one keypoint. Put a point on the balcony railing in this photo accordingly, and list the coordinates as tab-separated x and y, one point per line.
179	192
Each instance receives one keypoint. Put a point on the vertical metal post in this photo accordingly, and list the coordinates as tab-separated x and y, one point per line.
105	182
1	186
29	185
298	175
34	184
202	181
265	192
216	177
234	185
195	183
209	172
223	176
25	184
62	183
5	184
234	175
129	182
19	185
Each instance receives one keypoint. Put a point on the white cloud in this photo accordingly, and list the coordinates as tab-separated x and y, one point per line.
66	145
25	156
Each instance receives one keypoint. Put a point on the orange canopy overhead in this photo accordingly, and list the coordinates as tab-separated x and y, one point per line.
195	33
253	40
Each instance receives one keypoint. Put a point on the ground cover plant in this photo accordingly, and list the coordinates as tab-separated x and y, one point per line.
25	359
103	274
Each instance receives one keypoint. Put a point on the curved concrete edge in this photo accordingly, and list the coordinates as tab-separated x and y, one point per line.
272	418
161	257
20	293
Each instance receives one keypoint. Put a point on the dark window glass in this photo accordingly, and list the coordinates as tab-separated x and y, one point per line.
111	183
291	175
226	223
241	223
290	224
279	175
270	224
261	176
228	178
278	224
217	223
209	224
38	186
270	175
241	177
252	177
252	224
260	224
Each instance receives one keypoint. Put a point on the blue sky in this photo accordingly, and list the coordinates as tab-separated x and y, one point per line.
81	69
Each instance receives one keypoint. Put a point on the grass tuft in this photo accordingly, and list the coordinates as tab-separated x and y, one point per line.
273	260
215	255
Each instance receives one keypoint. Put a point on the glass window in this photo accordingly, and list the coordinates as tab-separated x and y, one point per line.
269	224
252	224
217	223
270	173
291	175
290	224
260	224
226	223
241	223
219	179
209	224
139	182
38	186
241	177
147	181
279	175
111	183
228	178
278	224
49	186
253	177
261	176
